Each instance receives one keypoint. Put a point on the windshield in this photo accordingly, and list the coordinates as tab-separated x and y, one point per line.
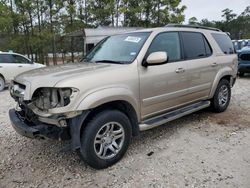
118	49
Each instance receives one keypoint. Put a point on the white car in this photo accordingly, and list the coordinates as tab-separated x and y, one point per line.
12	64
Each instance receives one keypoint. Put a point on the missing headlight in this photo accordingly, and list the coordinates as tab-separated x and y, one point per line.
49	98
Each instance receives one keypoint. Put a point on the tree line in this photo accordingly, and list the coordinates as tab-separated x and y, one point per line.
34	27
237	25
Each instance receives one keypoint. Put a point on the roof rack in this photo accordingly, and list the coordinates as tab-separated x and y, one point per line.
193	26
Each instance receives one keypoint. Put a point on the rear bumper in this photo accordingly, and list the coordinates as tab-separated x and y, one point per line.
29	130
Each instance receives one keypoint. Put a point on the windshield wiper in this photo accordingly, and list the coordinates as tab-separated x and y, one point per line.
111	61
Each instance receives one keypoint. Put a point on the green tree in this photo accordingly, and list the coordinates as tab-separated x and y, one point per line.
228	14
5	19
152	13
237	25
192	21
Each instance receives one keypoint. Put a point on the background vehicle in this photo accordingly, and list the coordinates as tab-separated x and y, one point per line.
244	61
239	44
128	83
12	64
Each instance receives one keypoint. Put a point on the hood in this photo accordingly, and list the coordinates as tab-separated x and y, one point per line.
245	51
49	76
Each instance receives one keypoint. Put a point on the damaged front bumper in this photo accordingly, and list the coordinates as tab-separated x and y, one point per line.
39	131
71	132
47	114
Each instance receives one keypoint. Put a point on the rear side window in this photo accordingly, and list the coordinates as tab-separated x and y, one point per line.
167	42
195	45
224	43
5	58
207	47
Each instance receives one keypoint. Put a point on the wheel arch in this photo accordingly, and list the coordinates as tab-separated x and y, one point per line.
4	82
122	106
78	123
223	74
1	75
109	96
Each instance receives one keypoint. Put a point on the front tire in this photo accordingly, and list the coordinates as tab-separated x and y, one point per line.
105	139
222	96
2	84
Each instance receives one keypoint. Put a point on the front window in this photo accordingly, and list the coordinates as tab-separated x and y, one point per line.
121	49
167	42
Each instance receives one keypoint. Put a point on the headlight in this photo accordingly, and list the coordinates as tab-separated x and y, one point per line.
49	98
17	90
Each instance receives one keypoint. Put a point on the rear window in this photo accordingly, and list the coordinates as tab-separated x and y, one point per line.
5	58
224	43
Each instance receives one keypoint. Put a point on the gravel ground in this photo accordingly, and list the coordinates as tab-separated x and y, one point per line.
200	150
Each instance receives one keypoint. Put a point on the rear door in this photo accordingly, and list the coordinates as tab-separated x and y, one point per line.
202	65
13	64
227	57
7	67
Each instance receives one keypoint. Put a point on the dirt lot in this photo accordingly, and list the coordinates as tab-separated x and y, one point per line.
200	150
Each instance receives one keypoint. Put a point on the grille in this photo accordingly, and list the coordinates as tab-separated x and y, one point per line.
245	57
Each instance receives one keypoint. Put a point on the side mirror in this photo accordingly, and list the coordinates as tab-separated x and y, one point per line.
157	58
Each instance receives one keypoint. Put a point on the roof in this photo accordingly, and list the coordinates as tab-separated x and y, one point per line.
94	35
7	52
193	26
12	53
241	40
179	29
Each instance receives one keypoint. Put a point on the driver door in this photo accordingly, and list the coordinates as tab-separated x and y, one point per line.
164	87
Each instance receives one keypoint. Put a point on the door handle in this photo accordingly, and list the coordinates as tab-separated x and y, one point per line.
20	66
1	67
214	65
180	70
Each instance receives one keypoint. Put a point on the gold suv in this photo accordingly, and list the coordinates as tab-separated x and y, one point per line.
128	83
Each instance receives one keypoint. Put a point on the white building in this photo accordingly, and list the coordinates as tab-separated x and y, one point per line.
91	36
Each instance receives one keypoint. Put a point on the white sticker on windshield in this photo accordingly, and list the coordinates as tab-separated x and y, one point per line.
133	39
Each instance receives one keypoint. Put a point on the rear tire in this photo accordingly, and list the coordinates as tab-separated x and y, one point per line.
2	83
105	139
222	96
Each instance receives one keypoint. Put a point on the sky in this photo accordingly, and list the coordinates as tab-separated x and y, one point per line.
211	9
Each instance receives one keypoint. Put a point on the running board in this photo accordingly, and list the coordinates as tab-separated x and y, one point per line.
170	116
